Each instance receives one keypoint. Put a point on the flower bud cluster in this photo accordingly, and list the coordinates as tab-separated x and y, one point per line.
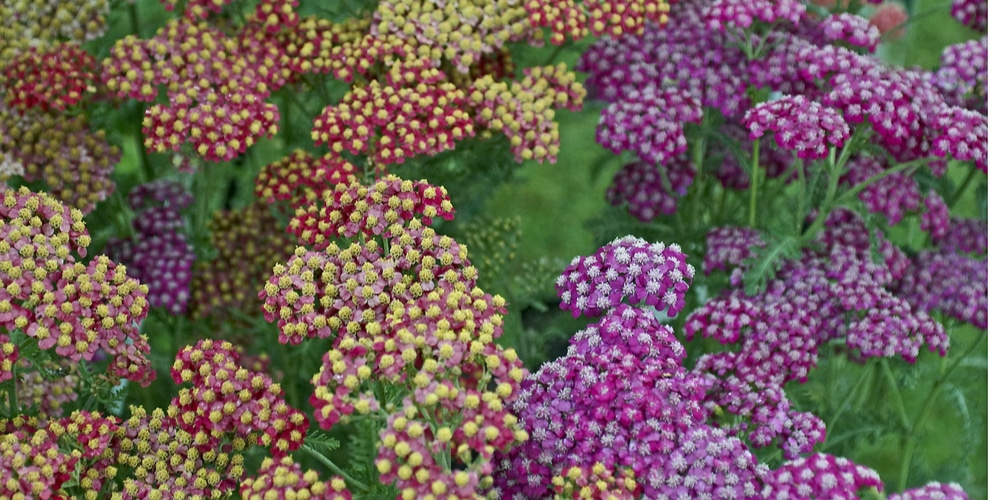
159	253
38	23
49	79
226	398
351	210
74	162
524	110
403	308
627	268
284	479
216	86
301	178
71	308
412	112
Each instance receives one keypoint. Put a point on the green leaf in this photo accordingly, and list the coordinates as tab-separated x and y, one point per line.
763	266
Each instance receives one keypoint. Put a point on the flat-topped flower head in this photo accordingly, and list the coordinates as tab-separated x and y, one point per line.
799	125
962	135
40	23
893	195
820	476
964	235
301	178
567	20
628	268
49	79
963	71
732	14
933	490
357	209
284	479
972	13
649	122
950	282
850	29
596	481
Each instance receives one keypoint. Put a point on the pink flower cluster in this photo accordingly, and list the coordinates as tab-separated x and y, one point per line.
649	122
651	190
627	268
799	125
731	14
851	29
820	476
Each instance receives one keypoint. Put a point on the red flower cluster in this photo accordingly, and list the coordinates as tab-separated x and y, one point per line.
50	79
302	178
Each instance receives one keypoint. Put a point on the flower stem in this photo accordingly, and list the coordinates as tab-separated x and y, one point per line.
962	187
754	182
865	375
334	468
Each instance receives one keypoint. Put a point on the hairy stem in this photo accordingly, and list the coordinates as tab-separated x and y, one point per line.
358	485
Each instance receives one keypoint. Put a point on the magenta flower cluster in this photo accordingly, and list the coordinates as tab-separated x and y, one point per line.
799	125
650	190
628	268
159	253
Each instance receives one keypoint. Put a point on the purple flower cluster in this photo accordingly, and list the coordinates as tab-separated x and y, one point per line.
728	247
620	397
963	71
649	122
627	268
851	29
964	235
933	490
947	281
799	124
936	217
722	14
963	136
820	476
159	254
893	196
972	13
651	190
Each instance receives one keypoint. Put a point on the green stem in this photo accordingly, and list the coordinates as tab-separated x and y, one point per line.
754	182
334	468
962	187
896	395
800	216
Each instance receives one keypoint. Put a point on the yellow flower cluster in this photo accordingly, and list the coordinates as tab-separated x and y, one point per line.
283	479
38	23
596	482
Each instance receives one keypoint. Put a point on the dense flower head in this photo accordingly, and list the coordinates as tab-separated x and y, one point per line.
31	464
72	308
8	357
596	481
524	110
392	121
682	54
614	18
730	14
627	268
651	190
649	122
225	398
820	476
799	124
49	79
216	86
302	178
948	281
729	246
169	462
42	22
893	195
272	14
972	13
159	254
962	136
284	479
933	491
851	29
349	210
621	398
249	241
963	71
964	235
461	33
74	162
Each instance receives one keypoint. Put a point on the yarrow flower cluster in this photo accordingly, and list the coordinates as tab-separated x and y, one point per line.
729	14
820	476
159	253
851	29
402	306
622	399
66	306
301	178
628	268
799	125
